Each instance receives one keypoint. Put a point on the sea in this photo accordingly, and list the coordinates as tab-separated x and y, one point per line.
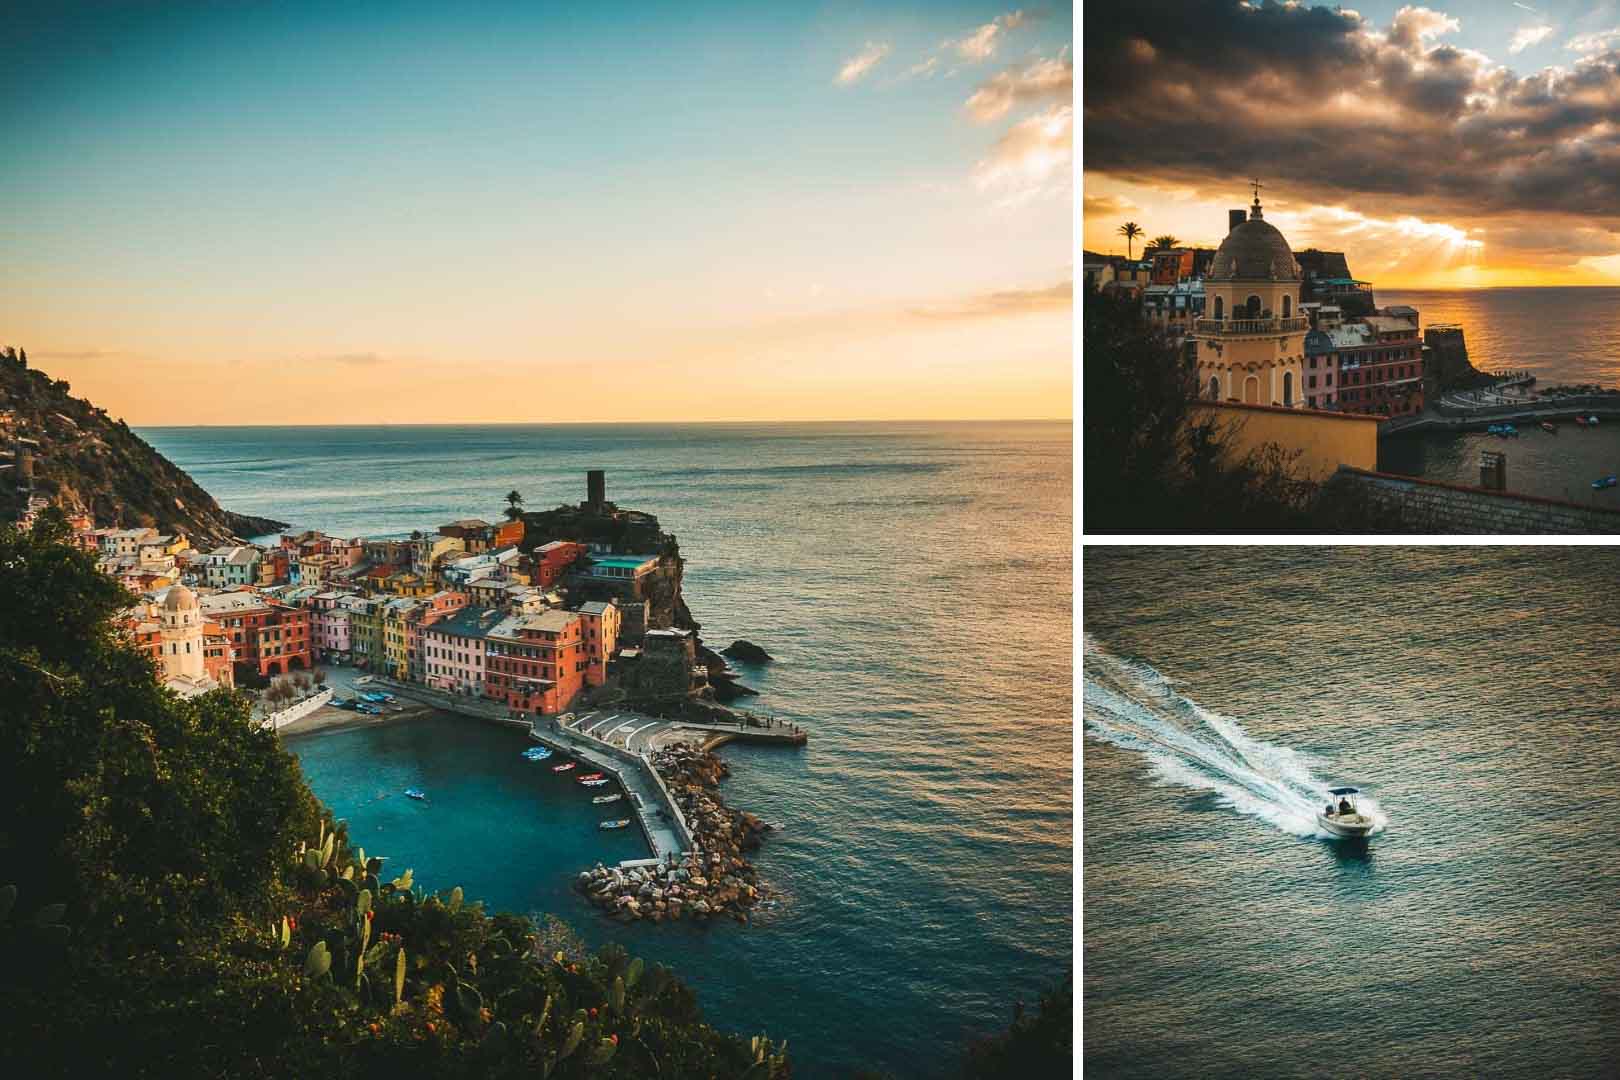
914	583
1563	336
1471	694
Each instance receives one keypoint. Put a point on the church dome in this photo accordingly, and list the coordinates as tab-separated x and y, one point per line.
180	598
1254	250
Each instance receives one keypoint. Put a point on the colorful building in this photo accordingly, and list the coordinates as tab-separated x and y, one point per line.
535	664
454	650
551	561
1251	340
267	637
599	630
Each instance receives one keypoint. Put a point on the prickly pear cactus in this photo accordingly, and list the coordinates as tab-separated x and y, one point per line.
318	962
399	978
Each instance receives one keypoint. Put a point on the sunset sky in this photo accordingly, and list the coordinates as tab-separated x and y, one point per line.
317	213
1454	146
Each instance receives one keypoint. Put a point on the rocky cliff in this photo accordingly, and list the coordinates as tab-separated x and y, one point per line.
74	455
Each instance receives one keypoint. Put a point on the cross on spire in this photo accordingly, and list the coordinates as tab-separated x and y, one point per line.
1257	185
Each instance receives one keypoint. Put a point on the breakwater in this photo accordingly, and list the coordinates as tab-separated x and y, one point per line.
1605	406
715	880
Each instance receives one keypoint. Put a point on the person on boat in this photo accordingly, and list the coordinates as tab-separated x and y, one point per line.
1344	806
1329	809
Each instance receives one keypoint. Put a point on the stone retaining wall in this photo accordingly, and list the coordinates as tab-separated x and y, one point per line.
1434	506
279	720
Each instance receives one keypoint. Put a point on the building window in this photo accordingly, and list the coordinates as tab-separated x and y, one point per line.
1288	306
1215	388
1220	306
1288	388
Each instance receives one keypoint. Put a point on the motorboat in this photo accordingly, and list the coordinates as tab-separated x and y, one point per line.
1547	425
1343	817
593	783
615	797
1592	421
564	767
592	776
416	793
537	753
620	824
1606	482
1581	420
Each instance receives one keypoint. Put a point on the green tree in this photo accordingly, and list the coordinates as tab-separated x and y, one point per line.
1162	243
514	505
1130	231
1034	1045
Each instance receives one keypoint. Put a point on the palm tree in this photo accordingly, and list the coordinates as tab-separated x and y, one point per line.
514	505
1162	243
1130	231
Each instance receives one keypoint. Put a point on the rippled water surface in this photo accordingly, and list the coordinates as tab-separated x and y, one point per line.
914	582
1473	694
1563	336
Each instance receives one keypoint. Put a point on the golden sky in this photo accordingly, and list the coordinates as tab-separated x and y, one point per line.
296	214
1455	146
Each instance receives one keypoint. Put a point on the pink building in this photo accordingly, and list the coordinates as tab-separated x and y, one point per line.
453	650
329	624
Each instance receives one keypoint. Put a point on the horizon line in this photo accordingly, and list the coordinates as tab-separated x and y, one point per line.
627	423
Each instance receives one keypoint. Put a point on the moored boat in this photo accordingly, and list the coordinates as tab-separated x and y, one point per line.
615	797
621	823
1344	818
564	767
1547	425
592	776
537	753
593	783
1606	482
416	793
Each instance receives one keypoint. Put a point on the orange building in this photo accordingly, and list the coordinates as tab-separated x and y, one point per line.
552	560
535	663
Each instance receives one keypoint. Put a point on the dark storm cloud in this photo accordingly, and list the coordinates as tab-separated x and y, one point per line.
1333	107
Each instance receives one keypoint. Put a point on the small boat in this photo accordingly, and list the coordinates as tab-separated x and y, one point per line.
1592	420
537	753
416	793
620	824
592	776
593	783
564	767
1548	426
615	797
1606	482
1581	420
1344	819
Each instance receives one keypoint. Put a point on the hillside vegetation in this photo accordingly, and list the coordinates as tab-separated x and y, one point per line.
82	459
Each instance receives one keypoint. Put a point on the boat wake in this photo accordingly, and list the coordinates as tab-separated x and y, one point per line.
1130	705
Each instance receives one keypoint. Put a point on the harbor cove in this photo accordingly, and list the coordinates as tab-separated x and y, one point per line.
917	875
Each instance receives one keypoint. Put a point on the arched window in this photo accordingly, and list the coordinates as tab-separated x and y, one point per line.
1215	387
1288	306
1288	388
1253	307
1220	305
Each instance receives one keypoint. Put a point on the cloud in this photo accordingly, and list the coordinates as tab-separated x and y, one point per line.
1597	41
1336	110
1008	302
367	359
1034	153
856	67
1526	36
1041	80
1106	206
980	45
924	69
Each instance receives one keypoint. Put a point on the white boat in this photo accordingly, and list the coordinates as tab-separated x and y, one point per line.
615	797
1344	818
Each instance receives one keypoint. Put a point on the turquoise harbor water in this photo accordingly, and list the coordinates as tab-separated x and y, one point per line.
1561	335
914	582
1473	693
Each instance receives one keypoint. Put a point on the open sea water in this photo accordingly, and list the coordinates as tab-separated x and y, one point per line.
1563	336
1472	694
915	584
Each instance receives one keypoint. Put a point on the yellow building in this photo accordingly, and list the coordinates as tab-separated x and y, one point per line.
396	638
1251	340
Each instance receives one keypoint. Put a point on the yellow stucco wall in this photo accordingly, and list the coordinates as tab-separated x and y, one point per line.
1325	440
